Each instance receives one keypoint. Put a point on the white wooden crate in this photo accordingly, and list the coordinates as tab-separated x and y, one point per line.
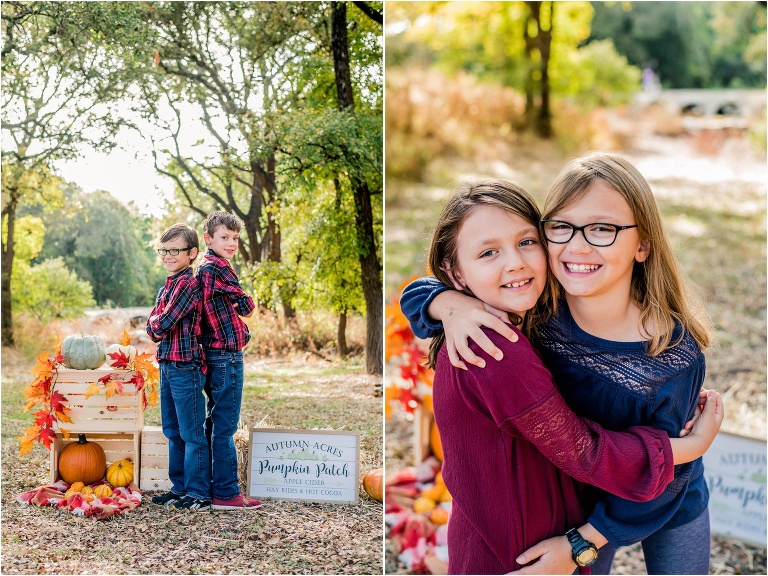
115	446
154	459
120	414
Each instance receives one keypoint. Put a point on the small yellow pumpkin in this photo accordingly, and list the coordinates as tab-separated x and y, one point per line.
423	504
103	491
120	473
77	486
85	490
70	492
433	493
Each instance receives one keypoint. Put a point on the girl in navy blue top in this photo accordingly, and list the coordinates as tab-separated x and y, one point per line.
623	342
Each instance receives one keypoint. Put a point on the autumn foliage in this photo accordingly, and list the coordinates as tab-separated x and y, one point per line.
41	392
412	382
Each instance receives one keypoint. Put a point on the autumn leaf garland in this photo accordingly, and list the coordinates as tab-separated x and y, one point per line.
40	392
53	409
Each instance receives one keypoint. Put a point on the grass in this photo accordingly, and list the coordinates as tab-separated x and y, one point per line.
283	537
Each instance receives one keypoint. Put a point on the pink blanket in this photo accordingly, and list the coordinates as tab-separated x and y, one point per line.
122	500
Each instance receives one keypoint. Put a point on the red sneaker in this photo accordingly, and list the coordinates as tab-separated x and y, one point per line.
239	502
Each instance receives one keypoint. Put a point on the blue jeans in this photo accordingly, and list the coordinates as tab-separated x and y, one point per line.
681	550
182	409
224	387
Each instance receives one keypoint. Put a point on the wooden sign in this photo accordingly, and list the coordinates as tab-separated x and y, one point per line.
314	465
735	469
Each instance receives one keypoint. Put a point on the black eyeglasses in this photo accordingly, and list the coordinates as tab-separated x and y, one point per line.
597	234
173	251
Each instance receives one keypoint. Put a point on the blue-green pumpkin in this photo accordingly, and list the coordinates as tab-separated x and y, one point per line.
83	352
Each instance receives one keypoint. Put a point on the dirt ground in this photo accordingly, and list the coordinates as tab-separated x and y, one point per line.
283	537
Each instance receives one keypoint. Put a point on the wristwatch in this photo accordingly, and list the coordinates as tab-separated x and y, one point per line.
584	553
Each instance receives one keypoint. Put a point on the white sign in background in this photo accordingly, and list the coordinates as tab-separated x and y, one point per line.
315	465
735	469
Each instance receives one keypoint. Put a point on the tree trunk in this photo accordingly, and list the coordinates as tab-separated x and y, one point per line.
544	120
366	241
537	35
340	50
341	334
8	252
530	83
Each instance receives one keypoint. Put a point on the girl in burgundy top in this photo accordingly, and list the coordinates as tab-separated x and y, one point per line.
511	445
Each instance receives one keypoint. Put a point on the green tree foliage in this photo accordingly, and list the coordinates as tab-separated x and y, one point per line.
105	244
51	291
47	290
689	44
55	94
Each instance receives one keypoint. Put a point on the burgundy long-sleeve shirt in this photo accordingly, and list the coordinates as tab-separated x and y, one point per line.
175	320
512	449
221	325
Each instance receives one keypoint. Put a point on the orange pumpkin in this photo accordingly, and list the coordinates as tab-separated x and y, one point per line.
373	483
120	473
439	516
103	491
82	461
434	442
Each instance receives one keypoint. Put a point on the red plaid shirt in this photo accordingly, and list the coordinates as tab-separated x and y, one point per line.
175	320
220	325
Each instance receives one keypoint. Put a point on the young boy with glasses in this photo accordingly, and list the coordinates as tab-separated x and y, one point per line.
175	324
223	336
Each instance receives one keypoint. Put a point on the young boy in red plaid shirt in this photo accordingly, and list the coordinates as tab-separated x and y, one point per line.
175	324
223	336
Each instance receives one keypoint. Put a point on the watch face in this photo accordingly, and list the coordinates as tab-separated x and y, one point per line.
587	557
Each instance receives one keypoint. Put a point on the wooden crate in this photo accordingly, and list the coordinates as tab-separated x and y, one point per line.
154	459
120	414
115	446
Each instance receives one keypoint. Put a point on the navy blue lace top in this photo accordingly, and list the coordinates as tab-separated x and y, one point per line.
617	385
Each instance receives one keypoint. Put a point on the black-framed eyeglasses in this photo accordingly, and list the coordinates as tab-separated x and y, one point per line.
598	233
173	251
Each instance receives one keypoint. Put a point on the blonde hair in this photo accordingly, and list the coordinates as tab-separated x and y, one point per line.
659	286
469	193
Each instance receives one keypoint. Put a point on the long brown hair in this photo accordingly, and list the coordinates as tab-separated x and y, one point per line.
659	286
468	194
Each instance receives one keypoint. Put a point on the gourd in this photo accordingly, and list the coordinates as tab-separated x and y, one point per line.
103	491
423	504
120	473
439	516
82	459
77	486
83	353
85	490
70	492
128	355
373	484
